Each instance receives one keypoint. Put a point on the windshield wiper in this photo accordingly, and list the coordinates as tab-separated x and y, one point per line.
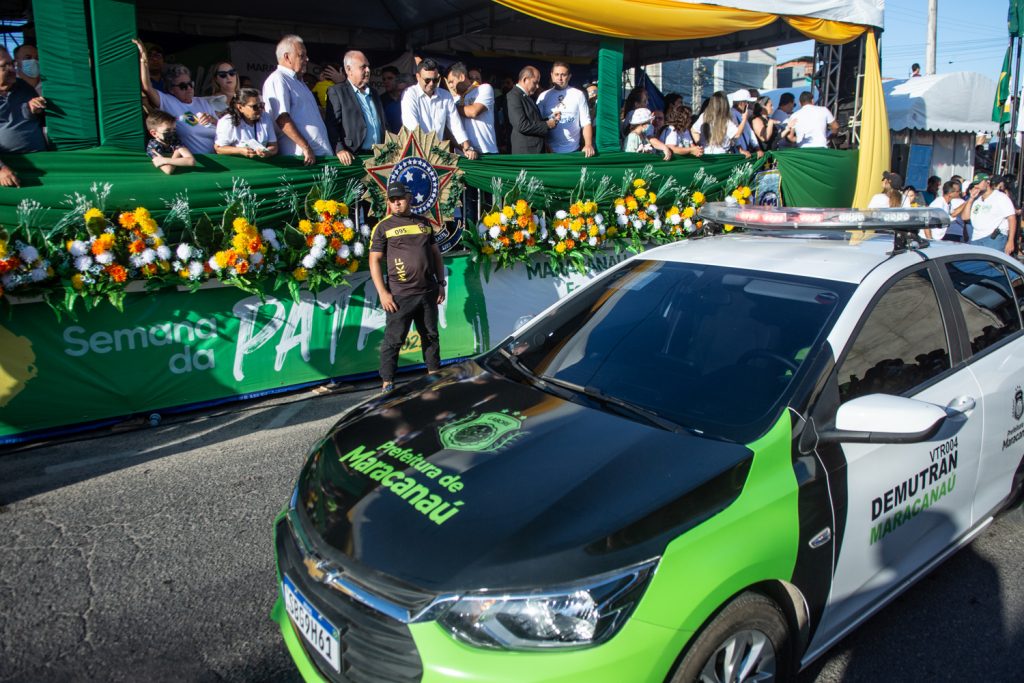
537	380
644	414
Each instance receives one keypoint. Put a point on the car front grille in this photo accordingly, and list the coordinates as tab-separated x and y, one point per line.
374	647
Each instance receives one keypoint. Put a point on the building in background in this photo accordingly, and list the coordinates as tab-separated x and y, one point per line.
728	72
795	73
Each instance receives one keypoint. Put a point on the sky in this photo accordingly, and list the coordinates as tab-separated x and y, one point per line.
971	37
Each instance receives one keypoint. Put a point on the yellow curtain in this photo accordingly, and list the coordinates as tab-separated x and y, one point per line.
874	127
671	20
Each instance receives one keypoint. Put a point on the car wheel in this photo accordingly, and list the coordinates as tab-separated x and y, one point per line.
747	641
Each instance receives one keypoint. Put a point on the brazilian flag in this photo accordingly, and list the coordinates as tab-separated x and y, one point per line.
1001	108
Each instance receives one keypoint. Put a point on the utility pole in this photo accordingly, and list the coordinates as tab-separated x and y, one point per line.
698	85
929	58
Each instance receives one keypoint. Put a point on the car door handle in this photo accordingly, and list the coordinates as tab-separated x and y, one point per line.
962	404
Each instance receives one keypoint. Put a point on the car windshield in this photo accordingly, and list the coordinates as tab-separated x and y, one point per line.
710	349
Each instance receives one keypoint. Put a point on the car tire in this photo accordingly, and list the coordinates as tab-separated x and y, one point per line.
749	636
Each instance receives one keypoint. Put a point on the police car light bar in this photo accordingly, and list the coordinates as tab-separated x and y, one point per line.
822	220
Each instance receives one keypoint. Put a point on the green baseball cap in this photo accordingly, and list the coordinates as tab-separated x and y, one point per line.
978	177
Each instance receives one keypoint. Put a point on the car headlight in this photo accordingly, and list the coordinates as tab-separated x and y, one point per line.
583	615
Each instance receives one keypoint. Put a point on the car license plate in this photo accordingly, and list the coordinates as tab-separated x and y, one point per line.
321	634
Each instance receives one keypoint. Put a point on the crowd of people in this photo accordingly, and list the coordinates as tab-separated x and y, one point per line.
982	212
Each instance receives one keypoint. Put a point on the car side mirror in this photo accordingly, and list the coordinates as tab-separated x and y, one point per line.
881	418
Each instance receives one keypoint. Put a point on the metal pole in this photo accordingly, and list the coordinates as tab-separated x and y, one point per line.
929	57
1014	111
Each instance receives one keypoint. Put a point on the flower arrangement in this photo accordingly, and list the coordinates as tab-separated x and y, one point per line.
511	230
580	229
148	255
637	215
22	266
97	261
246	255
740	195
325	246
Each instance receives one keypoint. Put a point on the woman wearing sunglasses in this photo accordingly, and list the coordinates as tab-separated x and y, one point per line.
247	129
196	118
223	85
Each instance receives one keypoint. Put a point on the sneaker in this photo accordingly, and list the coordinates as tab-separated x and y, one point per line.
387	388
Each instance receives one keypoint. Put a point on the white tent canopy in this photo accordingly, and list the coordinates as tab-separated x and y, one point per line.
864	12
959	102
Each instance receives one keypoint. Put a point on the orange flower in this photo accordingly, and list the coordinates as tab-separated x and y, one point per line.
309	241
504	241
232	257
335	243
340	261
518	236
98	248
127	220
255	245
137	247
117	273
570	244
523	221
325	229
149	270
242	267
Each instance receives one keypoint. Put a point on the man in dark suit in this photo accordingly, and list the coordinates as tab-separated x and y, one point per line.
529	129
354	115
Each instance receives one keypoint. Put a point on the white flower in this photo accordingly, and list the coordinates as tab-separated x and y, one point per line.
79	248
561	232
542	221
348	223
601	230
38	274
320	241
268	234
213	264
177	265
731	201
29	254
592	241
599	219
164	252
136	260
637	223
316	252
481	229
232	271
256	259
620	209
688	224
184	251
148	256
308	261
675	219
543	233
195	270
358	249
621	220
365	230
106	258
560	214
503	218
494	232
653	208
657	224
344	252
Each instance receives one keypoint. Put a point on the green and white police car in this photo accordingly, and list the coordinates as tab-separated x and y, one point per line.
711	463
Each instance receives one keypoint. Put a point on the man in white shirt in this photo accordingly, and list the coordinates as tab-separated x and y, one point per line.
293	106
476	107
430	109
575	119
992	215
807	127
950	202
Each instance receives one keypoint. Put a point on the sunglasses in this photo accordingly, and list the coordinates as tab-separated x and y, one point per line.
184	85
225	74
432	80
258	106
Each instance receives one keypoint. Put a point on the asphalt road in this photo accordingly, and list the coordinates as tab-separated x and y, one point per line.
145	554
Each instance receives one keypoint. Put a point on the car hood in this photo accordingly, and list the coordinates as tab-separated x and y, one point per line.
471	479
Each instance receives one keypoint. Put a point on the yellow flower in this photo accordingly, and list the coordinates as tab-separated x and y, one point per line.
157	242
594	231
240	224
3	249
347	234
94	219
639	182
508	211
331	206
672	211
560	248
746	191
305	227
300	274
353	266
221	257
576	209
640	193
689	212
620	201
729	228
631	204
489	220
106	241
141	214
487	249
127	220
77	281
698	197
591	207
521	207
342	209
240	243
612	231
320	206
651	197
575	224
183	274
147	225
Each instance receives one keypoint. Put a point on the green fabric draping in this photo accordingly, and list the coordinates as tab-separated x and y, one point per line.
817	177
609	95
117	73
61	37
810	177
